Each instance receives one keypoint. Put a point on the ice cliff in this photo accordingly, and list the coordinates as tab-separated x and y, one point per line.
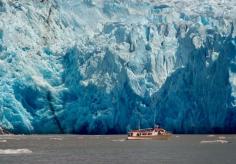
107	66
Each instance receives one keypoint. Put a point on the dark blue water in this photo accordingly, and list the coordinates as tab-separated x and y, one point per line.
77	149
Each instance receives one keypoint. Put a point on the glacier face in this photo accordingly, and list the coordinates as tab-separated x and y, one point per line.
107	66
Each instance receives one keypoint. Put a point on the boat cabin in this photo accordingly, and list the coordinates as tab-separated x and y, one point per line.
146	132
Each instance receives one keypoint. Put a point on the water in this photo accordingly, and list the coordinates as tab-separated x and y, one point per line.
79	149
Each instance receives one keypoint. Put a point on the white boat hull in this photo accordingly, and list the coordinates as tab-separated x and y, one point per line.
157	137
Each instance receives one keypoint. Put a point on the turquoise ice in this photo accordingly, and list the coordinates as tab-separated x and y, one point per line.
108	66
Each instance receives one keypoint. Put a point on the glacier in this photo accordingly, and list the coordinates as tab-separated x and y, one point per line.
108	66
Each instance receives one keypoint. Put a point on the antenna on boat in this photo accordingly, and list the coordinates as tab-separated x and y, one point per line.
155	125
139	122
139	117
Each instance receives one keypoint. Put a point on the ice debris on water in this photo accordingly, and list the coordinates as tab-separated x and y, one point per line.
56	138
15	151
215	141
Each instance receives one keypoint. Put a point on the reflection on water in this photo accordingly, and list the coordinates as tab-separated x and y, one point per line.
115	149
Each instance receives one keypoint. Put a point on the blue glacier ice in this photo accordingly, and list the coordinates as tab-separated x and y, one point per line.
108	66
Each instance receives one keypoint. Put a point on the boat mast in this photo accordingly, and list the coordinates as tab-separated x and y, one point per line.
139	122
139	117
154	118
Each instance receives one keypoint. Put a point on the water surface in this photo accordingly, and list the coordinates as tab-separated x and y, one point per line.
115	149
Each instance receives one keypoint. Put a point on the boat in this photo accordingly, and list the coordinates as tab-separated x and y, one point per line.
156	133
